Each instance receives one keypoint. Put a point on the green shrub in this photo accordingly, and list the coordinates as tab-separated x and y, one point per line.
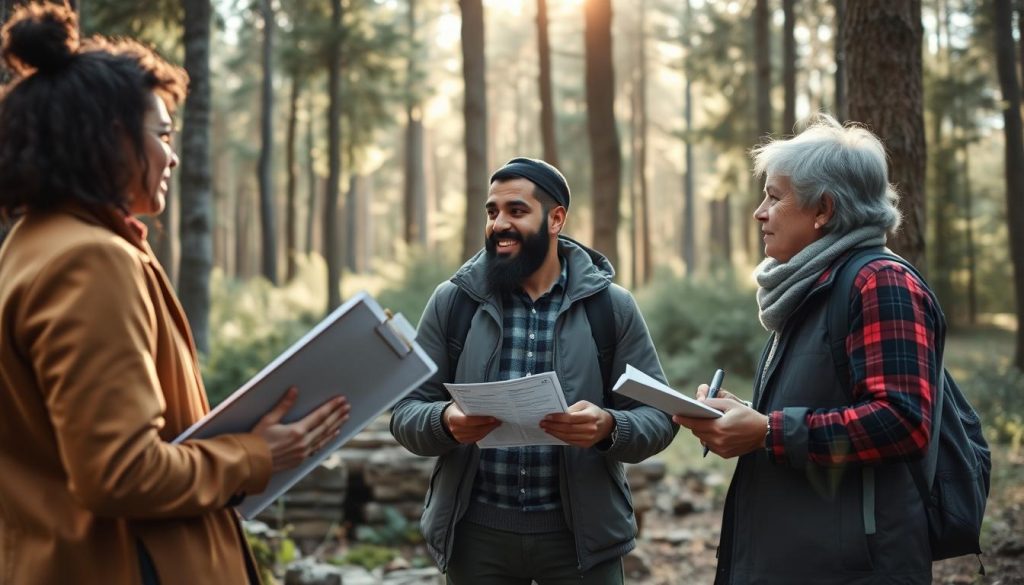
252	322
994	391
700	325
368	556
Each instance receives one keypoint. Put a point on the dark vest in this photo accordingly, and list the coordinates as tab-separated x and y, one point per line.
792	524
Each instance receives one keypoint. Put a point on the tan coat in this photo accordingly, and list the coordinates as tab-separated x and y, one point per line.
98	372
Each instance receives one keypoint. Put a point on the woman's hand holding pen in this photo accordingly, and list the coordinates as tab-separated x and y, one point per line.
740	430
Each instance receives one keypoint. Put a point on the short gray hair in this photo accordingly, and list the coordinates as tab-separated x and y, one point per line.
848	163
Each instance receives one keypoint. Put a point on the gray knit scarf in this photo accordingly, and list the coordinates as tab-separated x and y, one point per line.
783	285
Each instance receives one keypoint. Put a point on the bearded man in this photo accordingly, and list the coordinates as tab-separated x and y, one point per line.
551	514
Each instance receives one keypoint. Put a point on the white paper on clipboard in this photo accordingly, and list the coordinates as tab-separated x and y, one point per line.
358	350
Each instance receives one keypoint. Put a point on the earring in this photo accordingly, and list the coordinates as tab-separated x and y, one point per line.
817	225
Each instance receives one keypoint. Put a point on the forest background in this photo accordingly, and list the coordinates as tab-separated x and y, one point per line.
331	146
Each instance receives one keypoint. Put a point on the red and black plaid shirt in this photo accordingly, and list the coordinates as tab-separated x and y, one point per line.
893	365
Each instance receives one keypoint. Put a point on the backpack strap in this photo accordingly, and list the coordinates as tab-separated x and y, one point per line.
599	313
602	328
838	327
460	316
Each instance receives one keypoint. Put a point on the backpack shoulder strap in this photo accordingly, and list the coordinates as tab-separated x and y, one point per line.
838	327
602	326
460	316
839	305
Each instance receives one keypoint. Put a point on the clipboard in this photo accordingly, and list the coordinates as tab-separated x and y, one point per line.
359	350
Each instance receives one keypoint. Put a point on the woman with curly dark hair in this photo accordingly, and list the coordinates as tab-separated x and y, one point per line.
98	371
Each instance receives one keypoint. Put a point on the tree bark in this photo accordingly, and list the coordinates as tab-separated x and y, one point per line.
763	66
841	105
789	67
547	100
415	182
1007	67
474	72
196	189
291	168
689	241
311	179
883	50
268	213
642	210
332	239
605	157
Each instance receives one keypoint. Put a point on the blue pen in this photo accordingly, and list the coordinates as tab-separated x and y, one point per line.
716	383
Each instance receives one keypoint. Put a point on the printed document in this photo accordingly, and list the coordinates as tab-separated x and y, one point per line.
518	404
639	386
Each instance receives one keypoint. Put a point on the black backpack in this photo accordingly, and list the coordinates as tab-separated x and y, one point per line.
953	479
599	313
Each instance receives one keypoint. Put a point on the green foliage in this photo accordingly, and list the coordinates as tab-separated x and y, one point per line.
271	553
994	391
368	556
413	279
251	323
700	325
396	530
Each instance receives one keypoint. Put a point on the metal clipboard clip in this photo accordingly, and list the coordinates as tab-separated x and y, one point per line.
397	332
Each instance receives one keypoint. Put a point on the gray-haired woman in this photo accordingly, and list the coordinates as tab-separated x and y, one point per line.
814	448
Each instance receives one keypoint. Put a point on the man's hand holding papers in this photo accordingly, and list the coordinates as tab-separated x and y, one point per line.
518	406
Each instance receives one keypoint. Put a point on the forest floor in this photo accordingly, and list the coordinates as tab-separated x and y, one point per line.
675	549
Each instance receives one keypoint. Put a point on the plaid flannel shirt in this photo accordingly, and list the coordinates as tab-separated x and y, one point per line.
524	478
893	364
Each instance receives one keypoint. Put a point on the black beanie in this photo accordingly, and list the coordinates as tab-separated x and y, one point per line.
538	172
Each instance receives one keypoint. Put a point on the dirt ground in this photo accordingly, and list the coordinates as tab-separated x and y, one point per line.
679	548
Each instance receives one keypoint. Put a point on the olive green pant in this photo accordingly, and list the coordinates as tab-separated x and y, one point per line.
485	556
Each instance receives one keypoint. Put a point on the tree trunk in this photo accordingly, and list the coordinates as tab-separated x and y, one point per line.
763	65
1020	30
642	209
547	100
352	221
789	67
268	214
292	207
243	214
332	239
475	119
415	182
311	179
883	51
689	241
605	158
196	185
842	106
474	71
972	273
1006	64
161	235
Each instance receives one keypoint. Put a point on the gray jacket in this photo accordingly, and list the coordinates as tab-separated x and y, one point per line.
595	495
803	523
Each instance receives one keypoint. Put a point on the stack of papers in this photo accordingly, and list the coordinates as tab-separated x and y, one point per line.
518	404
639	386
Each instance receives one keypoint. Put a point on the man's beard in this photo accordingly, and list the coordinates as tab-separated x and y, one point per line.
505	274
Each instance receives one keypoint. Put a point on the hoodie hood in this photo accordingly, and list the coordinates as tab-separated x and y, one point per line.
589	271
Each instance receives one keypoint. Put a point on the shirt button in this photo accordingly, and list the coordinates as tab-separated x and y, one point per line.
529	354
522	491
522	471
534	311
532	336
